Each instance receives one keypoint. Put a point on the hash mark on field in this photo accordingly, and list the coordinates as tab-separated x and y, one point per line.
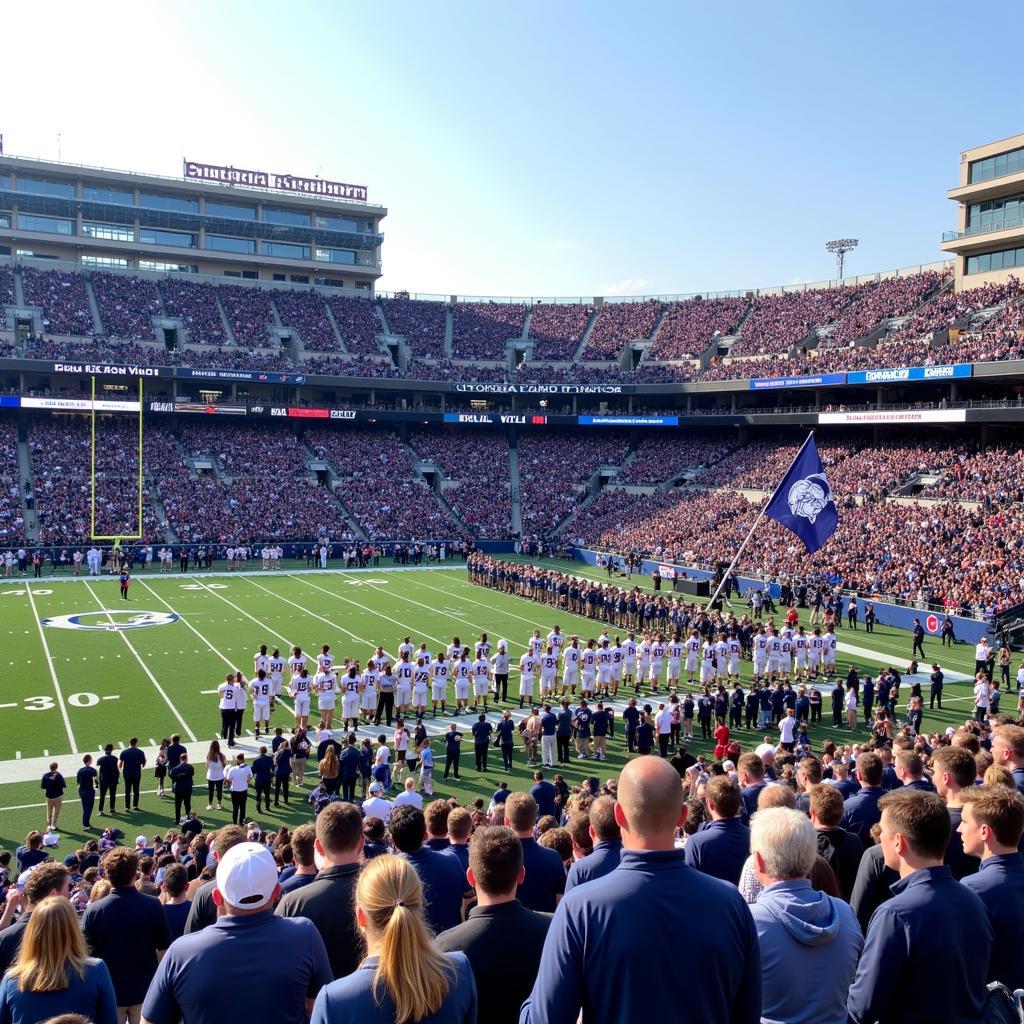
17	755
46	753
113	696
8	705
152	742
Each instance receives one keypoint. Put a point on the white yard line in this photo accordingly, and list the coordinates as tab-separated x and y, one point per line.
145	668
53	671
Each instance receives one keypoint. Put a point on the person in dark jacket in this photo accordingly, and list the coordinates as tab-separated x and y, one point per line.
607	840
262	777
991	825
109	775
131	763
926	952
498	923
843	850
861	810
182	776
720	849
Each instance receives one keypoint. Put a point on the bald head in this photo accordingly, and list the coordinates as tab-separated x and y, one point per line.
650	804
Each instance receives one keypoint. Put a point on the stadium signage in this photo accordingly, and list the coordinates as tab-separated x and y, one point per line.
308	414
816	380
80	404
343	414
210	410
107	370
256	376
896	416
908	373
628	421
484	388
161	407
282	182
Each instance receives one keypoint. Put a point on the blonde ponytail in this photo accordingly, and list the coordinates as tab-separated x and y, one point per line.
409	970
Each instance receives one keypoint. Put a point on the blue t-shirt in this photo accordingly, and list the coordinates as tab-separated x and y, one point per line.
583	718
352	998
133	761
176	915
482	733
544	793
545	877
92	996
208	975
443	887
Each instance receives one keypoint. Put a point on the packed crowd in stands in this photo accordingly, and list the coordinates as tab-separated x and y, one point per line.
6	286
126	305
618	323
994	473
478	464
688	327
655	459
12	523
250	313
777	323
377	485
305	311
63	481
551	468
349	366
480	330
62	298
421	323
357	323
195	302
893	297
557	329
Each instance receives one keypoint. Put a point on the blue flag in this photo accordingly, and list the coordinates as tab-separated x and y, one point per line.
803	502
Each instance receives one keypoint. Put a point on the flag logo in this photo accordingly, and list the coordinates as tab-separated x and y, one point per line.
810	497
803	501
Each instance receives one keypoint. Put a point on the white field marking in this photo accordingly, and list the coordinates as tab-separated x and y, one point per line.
262	625
46	753
53	672
113	696
17	755
8	705
145	668
314	615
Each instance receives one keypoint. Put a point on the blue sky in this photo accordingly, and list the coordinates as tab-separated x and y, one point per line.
547	148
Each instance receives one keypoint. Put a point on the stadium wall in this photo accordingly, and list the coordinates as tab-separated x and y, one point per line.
886	614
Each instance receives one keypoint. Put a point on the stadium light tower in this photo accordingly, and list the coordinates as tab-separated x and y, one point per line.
840	246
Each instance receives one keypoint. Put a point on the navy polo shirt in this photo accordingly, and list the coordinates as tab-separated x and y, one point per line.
720	849
609	938
460	852
209	975
605	858
482	733
548	723
443	887
506	730
452	742
564	723
133	760
293	880
544	793
86	779
107	766
545	877
53	785
750	794
125	929
631	716
926	954
645	736
1000	884
601	723
349	759
861	811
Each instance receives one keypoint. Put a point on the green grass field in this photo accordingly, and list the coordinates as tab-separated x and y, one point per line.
68	691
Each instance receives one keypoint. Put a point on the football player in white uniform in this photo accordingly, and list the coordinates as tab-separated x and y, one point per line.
535	645
707	663
629	653
325	660
368	691
556	638
548	671
588	663
527	670
261	687
403	676
618	663
675	662
643	667
760	652
350	697
571	666
604	667
828	651
439	683
420	678
325	683
483	647
463	671
800	652
692	646
299	690
481	678
657	659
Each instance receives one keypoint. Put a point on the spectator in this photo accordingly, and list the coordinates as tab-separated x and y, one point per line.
209	975
174	899
607	845
303	852
53	975
498	923
801	932
545	876
443	883
327	901
653	889
721	848
128	931
926	953
44	881
403	977
203	911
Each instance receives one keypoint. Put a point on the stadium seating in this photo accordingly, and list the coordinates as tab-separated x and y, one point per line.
304	311
127	306
422	324
12	524
250	313
618	323
558	329
195	302
688	327
62	298
480	330
357	323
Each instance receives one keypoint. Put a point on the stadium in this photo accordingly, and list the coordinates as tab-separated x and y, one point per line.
224	445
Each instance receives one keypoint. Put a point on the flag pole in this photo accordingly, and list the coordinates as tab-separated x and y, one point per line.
750	532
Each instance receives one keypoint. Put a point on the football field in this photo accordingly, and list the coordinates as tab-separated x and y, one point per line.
71	682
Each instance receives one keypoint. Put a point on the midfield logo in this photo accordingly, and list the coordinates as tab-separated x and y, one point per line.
111	621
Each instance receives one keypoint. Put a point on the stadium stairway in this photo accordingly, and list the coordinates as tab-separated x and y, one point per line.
170	537
332	477
334	327
97	320
448	329
577	356
514	490
224	319
19	290
27	480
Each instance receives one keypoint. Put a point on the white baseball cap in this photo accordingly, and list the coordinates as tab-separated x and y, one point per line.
247	876
141	841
